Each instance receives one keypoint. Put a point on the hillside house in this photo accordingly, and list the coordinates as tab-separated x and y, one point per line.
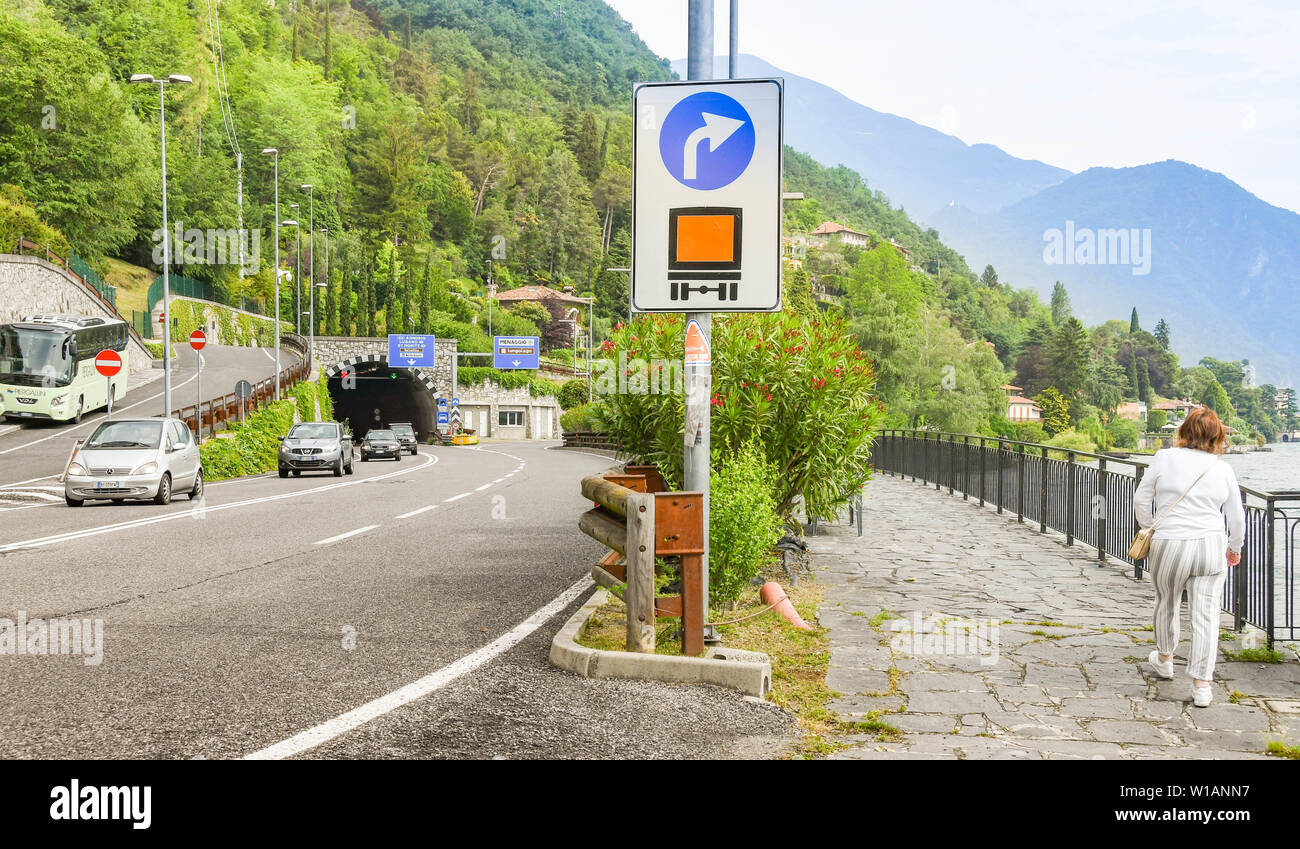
830	232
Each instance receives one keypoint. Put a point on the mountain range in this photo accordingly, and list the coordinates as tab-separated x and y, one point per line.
1173	240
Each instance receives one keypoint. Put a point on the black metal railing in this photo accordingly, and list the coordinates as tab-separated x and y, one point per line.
1089	498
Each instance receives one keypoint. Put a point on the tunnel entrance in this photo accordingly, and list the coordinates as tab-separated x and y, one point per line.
376	395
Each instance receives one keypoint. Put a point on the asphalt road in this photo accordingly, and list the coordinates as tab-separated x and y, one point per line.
394	613
32	454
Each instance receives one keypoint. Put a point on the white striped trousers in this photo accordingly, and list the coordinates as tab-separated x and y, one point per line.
1199	566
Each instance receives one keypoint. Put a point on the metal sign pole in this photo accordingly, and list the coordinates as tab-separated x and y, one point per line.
109	415
699	66
198	400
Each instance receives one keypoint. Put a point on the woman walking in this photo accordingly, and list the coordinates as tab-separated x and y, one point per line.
1186	494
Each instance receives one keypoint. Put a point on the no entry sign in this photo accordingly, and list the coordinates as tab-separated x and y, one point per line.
108	363
198	339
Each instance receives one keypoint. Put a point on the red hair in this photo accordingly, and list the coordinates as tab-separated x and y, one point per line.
1203	430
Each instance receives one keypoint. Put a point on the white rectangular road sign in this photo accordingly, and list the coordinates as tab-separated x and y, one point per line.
706	196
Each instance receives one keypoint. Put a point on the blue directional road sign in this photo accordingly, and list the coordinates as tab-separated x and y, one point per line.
707	140
410	350
511	352
706	219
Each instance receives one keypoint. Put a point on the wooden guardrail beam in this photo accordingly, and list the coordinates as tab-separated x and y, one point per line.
610	495
605	529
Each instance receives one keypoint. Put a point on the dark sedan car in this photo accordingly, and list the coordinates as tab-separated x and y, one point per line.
381	443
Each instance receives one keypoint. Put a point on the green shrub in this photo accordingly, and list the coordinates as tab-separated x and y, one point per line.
1071	440
743	522
1123	433
19	219
1056	410
999	425
573	393
585	417
1156	419
1030	432
252	448
537	386
506	323
796	385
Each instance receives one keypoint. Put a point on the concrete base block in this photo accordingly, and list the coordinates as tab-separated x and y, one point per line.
746	672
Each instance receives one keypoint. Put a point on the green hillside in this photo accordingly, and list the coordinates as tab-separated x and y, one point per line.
443	135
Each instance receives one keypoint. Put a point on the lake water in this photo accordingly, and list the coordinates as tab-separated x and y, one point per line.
1268	471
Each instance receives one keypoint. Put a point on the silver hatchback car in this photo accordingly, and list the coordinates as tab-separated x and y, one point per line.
135	458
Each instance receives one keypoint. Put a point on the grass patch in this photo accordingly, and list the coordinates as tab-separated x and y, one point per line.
881	616
1256	655
800	660
1282	750
132	282
1236	696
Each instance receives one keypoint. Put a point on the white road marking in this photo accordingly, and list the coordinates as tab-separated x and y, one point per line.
457	497
417	512
498	480
345	535
31	493
27	506
269	355
359	716
481	488
68	536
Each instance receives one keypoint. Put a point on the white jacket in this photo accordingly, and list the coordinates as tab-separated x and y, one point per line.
1203	511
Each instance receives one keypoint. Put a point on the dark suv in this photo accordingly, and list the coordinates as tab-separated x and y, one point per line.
405	435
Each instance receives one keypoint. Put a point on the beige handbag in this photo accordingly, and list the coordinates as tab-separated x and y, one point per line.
1141	545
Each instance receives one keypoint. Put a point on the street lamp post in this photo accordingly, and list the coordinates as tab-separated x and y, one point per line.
297	273
297	231
311	346
178	79
275	157
311	247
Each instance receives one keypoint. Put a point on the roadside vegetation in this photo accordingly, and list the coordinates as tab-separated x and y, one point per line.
252	448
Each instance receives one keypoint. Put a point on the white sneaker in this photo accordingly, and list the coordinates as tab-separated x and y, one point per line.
1163	670
1202	696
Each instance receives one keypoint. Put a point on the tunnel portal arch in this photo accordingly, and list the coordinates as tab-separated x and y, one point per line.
413	399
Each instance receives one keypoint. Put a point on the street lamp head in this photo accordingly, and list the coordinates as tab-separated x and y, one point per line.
143	78
289	222
270	151
306	186
179	78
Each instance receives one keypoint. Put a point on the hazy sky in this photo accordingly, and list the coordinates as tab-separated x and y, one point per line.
1074	84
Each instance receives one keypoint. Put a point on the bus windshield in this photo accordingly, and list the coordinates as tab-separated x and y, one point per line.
31	357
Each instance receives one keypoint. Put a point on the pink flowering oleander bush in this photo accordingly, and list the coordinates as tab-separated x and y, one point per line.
796	386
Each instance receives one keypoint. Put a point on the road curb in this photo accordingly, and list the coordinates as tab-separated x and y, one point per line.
751	677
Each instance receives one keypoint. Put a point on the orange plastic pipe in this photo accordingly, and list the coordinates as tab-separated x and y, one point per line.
773	594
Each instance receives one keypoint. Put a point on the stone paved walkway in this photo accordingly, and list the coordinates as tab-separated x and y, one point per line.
1008	644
